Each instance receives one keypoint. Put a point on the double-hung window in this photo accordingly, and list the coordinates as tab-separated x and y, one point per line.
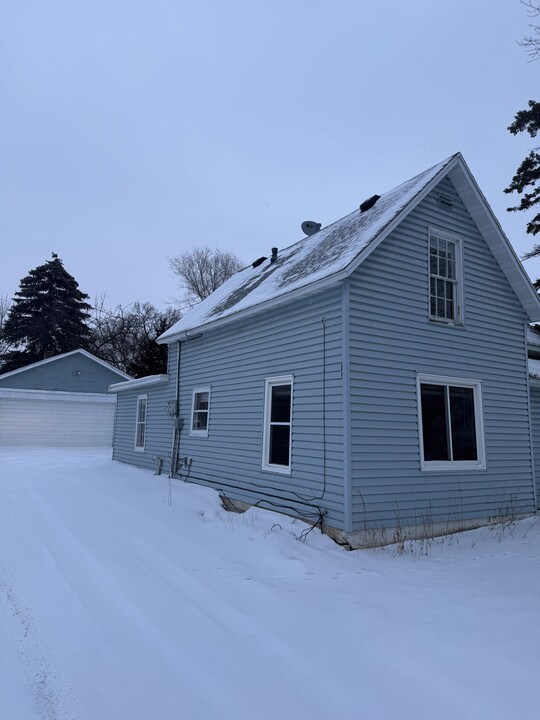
445	278
277	424
140	423
200	408
451	425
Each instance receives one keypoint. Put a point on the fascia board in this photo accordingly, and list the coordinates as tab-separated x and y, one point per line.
492	232
23	394
392	225
138	383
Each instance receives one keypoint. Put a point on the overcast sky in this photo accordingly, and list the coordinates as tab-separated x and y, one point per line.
132	131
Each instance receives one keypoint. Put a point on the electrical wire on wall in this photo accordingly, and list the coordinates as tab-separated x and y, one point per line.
277	501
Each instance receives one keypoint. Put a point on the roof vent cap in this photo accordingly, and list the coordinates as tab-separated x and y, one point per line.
369	203
310	228
273	258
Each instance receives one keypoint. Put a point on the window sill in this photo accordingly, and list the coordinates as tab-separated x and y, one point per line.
279	469
139	449
446	323
199	433
452	467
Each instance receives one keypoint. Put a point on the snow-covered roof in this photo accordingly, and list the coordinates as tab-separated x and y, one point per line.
54	358
138	383
335	251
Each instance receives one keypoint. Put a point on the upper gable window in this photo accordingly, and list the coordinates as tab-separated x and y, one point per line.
445	278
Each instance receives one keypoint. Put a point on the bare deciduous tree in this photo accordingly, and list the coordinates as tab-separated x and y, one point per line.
126	336
202	270
531	42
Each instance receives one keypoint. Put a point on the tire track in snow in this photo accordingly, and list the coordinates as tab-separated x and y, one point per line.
280	659
213	617
99	592
53	695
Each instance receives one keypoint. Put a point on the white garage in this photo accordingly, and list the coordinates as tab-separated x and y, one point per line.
56	419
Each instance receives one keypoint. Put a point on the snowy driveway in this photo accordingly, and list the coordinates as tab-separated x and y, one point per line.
116	605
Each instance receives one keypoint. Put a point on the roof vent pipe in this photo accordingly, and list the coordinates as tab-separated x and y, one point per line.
274	255
369	203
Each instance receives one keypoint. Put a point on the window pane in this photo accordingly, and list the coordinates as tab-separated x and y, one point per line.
200	420
441	308
433	262
281	404
142	411
201	401
280	438
139	442
434	425
463	424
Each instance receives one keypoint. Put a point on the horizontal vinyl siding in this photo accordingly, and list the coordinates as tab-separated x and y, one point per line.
234	361
535	421
159	424
392	341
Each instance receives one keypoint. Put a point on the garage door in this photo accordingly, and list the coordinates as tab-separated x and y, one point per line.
56	419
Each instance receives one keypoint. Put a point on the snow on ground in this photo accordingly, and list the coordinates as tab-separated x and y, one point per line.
115	604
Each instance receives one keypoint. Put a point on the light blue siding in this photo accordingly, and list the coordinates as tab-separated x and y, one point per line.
302	339
355	352
159	424
392	341
535	421
74	373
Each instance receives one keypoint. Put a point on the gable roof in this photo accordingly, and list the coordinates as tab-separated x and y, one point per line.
334	252
80	351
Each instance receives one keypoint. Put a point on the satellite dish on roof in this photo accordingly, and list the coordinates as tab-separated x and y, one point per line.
310	228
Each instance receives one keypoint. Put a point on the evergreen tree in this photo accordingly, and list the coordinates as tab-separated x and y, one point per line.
48	316
528	173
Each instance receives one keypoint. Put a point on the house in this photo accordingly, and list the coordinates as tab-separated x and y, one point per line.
354	378
533	348
59	401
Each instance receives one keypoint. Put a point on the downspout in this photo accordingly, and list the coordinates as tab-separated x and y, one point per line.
346	404
176	429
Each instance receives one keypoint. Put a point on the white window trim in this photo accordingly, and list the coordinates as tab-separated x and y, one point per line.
269	382
459	319
141	448
454	465
192	431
